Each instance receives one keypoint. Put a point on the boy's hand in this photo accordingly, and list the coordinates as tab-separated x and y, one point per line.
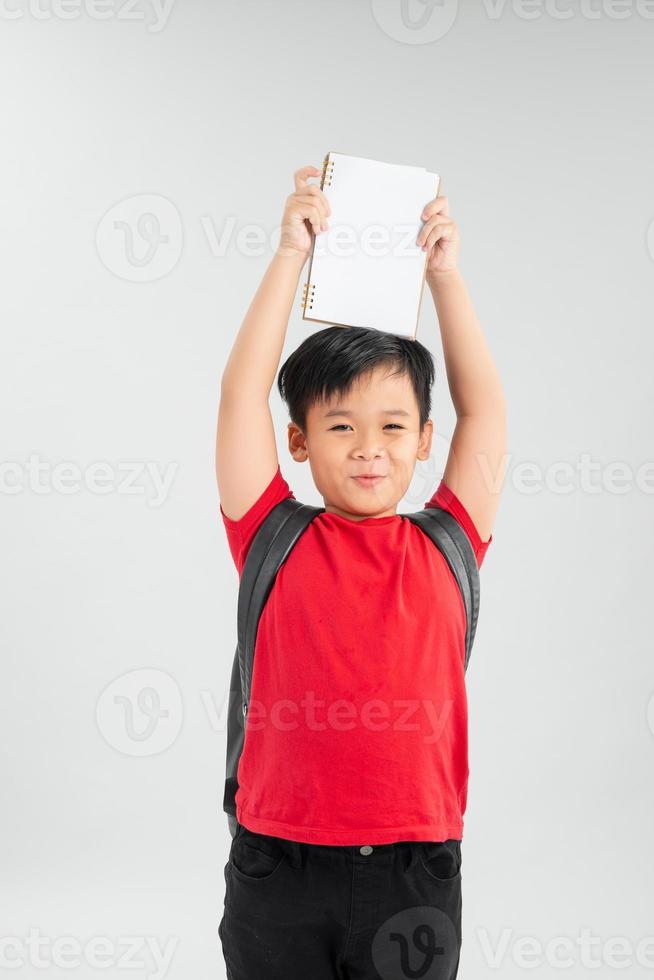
440	237
305	214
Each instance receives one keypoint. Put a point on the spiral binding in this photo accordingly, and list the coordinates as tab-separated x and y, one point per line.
307	294
325	181
327	173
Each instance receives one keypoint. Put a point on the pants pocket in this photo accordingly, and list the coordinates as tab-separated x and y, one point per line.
255	857
441	860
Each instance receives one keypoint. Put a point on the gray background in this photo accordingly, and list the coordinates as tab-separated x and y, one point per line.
541	126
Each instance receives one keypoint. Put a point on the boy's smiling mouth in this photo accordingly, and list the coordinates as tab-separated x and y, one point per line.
370	480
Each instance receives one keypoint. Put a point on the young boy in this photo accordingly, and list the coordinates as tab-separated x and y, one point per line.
353	776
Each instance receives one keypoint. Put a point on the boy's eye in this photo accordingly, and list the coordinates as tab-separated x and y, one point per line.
343	425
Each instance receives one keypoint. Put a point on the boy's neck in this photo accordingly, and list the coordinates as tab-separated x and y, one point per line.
330	509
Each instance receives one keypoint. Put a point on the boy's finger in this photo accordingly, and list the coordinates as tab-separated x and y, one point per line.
307	200
301	176
438	205
311	214
319	194
428	227
435	235
320	202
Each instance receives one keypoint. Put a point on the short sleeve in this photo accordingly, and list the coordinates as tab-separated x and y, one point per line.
447	499
240	534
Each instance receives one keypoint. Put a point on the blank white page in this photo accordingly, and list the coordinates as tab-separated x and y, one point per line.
366	269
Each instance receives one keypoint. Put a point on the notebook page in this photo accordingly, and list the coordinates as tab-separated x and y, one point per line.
366	270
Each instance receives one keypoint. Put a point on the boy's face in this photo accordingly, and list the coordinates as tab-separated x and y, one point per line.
373	429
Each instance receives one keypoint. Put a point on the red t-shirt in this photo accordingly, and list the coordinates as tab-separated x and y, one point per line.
357	727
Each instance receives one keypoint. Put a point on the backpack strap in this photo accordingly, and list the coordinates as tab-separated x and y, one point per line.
269	549
454	544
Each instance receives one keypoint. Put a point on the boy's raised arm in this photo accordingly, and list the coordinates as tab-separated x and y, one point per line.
246	449
475	465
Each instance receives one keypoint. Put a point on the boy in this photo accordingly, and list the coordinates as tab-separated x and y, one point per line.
353	776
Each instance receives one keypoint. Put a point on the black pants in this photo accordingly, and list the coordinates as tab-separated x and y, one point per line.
296	911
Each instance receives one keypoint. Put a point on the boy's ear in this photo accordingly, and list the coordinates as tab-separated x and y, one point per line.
424	443
297	445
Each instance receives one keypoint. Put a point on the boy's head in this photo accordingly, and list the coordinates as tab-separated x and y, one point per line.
359	402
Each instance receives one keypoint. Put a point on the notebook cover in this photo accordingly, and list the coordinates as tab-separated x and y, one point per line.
328	296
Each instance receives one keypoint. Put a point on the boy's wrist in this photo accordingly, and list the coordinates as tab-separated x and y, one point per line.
439	280
291	255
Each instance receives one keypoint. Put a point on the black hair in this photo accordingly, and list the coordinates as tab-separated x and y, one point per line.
329	361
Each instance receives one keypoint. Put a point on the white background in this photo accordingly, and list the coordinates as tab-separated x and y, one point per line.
540	124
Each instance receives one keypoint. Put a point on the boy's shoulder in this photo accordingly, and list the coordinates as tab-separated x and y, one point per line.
446	498
240	533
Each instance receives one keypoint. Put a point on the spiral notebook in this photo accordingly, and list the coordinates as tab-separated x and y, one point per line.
366	269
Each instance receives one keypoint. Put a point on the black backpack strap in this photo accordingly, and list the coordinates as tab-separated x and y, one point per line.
235	740
454	544
268	550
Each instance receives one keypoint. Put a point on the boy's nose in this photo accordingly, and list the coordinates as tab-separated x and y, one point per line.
369	452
